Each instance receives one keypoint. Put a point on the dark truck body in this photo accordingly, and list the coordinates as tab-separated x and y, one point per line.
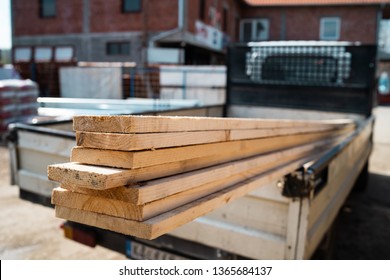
290	217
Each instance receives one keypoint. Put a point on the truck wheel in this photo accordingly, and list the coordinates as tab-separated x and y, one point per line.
362	180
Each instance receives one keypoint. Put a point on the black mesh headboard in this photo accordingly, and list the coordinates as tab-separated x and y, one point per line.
329	76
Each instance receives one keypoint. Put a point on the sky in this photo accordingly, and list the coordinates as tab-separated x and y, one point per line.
5	24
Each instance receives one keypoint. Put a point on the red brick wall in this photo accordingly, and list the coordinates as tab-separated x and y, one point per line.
358	23
233	9
274	16
106	16
27	21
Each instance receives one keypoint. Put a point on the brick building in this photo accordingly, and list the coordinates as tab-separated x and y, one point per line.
191	31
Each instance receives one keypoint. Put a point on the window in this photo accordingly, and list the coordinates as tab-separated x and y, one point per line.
131	6
330	28
118	48
22	54
202	10
43	54
47	8
225	19
64	53
254	30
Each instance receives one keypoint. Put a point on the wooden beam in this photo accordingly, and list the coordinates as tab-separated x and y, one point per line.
170	220
150	141
143	202
245	168
147	141
146	124
97	177
196	156
121	201
272	132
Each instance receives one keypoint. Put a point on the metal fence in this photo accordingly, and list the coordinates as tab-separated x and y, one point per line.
175	83
159	82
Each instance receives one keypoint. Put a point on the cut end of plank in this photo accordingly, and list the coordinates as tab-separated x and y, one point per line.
124	226
87	176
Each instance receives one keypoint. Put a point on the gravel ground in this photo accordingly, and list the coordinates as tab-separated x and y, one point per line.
363	230
20	219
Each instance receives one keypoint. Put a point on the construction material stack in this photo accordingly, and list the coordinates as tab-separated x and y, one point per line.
18	101
145	176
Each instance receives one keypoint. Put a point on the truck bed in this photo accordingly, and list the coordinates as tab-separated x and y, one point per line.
265	224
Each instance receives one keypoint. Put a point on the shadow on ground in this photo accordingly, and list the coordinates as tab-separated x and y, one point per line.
363	227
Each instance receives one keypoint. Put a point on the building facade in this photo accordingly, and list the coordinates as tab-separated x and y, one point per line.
186	31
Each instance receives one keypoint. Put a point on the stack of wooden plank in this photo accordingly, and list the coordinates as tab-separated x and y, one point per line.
145	175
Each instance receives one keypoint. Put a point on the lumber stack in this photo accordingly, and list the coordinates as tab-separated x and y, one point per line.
145	175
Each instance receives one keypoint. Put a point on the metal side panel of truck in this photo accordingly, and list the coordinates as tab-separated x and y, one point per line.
289	217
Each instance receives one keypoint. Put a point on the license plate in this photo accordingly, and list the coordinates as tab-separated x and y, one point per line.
138	251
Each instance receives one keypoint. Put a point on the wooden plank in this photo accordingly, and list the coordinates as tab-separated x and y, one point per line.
271	132
147	141
97	204
195	156
205	180
81	198
179	186
165	194
168	221
160	188
145	124
97	177
150	141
